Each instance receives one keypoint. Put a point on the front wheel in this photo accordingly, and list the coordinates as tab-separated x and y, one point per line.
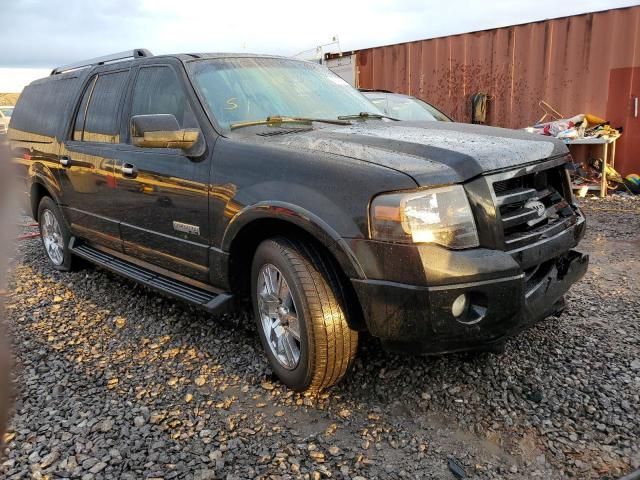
301	314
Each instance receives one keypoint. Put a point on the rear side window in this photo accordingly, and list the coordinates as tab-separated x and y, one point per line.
43	106
100	106
78	128
158	90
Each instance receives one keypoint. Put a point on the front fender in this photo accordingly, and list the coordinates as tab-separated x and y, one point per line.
298	216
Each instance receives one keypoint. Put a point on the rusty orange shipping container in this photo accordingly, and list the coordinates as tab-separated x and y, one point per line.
580	64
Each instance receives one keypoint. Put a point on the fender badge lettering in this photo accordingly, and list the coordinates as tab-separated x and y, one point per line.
186	228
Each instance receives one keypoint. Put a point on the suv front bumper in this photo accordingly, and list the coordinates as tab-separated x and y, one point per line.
504	299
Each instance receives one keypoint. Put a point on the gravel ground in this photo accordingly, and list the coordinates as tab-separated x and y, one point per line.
114	381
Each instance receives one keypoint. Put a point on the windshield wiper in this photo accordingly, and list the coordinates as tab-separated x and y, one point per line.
366	115
275	119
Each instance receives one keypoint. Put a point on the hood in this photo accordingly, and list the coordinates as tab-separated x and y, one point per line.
430	152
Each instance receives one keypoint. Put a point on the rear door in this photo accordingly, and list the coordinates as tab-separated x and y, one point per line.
163	205
88	158
623	110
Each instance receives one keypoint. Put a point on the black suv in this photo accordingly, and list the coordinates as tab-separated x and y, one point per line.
219	177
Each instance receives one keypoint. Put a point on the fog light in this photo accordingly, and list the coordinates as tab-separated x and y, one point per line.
460	305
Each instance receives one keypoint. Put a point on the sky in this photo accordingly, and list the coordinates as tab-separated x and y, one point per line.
38	35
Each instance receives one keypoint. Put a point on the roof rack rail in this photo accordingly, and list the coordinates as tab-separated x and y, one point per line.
114	57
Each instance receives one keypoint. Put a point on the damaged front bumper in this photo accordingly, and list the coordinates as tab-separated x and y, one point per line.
501	298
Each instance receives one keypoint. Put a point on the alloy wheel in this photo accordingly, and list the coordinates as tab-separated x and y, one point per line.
278	316
52	237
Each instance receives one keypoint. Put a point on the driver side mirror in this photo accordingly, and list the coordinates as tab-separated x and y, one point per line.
161	131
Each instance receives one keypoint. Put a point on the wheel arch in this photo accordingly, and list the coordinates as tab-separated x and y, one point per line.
42	182
262	221
37	192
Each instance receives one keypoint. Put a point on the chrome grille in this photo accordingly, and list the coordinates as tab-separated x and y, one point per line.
532	207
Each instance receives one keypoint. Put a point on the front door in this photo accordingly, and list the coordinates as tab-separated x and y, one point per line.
163	201
623	110
88	159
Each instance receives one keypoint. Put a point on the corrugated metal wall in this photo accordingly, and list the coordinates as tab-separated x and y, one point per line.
566	62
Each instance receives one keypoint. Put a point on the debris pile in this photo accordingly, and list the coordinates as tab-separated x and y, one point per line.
583	125
582	128
583	177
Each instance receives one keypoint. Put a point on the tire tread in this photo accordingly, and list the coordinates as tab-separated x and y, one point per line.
333	344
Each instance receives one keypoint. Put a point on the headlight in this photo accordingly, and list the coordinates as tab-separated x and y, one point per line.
438	215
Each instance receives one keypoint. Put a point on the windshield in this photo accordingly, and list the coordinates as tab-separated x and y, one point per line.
407	108
238	90
6	111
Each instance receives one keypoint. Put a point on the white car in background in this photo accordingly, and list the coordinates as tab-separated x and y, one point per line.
5	118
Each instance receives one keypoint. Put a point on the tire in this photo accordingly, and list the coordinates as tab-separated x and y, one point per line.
53	228
326	344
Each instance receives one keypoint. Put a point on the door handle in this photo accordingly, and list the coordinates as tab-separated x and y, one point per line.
65	161
635	107
129	170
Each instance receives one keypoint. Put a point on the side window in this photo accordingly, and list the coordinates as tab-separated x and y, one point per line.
101	122
43	105
380	102
158	91
78	126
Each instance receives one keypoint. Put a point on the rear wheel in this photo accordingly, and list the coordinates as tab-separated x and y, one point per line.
55	234
301	314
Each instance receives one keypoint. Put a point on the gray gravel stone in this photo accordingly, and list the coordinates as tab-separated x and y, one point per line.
98	467
148	387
